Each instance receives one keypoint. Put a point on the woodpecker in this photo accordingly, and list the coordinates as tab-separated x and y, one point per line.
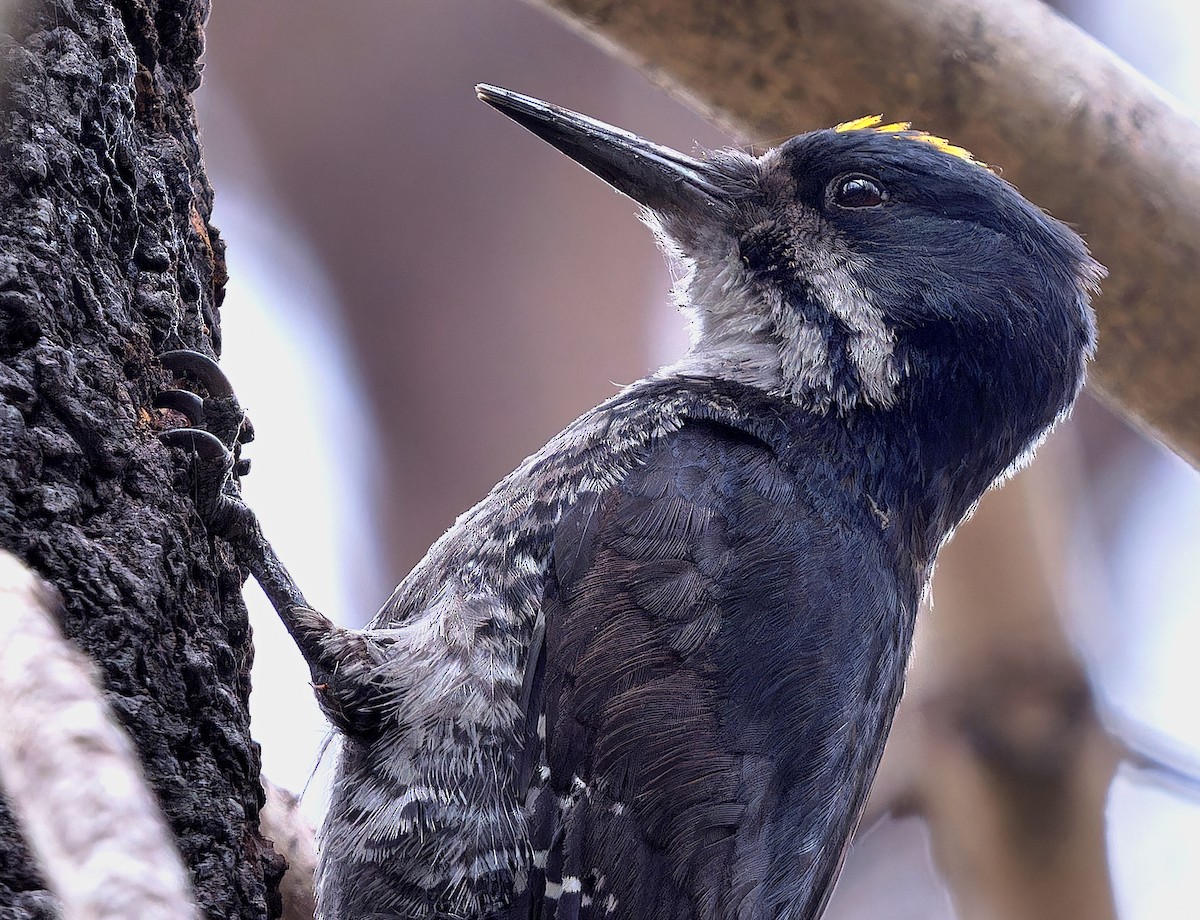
650	675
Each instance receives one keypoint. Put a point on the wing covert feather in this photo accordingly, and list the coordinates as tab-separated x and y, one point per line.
674	656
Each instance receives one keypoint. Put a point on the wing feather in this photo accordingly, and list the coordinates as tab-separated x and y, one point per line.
680	641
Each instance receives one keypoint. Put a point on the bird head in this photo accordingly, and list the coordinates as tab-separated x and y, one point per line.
863	270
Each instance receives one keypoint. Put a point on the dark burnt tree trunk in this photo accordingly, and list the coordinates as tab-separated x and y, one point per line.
107	259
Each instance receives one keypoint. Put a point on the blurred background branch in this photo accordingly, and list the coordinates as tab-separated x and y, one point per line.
71	774
282	822
1000	747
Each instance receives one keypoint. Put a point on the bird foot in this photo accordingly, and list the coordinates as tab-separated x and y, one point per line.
217	429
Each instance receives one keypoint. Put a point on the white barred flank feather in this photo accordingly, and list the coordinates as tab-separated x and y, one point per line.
439	804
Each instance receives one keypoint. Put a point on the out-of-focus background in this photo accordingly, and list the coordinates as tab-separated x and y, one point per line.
422	293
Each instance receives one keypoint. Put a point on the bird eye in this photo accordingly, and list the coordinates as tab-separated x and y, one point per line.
856	191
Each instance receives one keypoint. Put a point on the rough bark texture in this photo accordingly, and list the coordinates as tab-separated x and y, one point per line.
1073	126
107	259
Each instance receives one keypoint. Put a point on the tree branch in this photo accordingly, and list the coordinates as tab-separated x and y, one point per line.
999	744
284	825
71	774
1072	125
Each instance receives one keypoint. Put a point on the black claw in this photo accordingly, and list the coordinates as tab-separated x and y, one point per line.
184	402
202	367
219	411
218	428
204	444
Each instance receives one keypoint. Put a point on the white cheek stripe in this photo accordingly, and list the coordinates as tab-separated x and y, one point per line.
873	343
744	333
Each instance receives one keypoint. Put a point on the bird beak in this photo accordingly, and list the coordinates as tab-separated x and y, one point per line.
660	178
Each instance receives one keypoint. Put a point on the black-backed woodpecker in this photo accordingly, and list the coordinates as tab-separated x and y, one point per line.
651	674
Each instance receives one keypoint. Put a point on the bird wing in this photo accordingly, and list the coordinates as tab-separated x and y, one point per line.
690	690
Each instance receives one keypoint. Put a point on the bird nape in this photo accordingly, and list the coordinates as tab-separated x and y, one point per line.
651	674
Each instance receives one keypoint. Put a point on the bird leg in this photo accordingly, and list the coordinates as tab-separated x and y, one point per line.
217	429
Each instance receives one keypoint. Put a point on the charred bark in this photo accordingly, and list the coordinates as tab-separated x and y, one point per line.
107	258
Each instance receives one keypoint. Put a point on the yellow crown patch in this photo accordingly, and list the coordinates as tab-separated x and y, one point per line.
905	129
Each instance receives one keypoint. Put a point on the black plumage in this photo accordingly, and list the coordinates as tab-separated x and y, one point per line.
715	664
651	674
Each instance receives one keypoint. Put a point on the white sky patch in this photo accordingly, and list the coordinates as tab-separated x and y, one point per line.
1149	671
1151	840
1156	36
1142	656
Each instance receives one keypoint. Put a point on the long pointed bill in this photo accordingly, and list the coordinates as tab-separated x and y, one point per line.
658	177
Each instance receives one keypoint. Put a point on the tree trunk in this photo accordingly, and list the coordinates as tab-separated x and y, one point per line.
107	259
